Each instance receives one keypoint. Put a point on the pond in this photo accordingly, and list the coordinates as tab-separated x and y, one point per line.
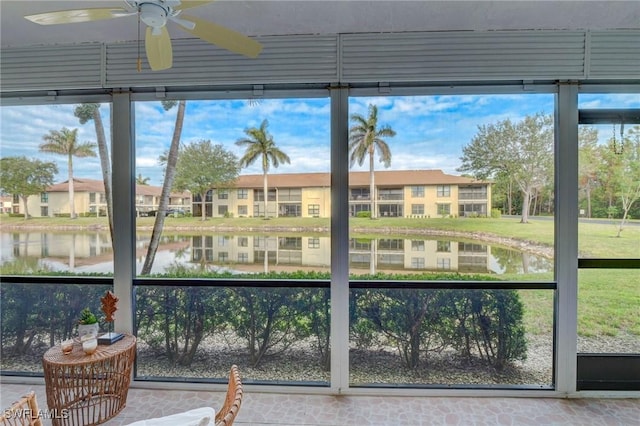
91	252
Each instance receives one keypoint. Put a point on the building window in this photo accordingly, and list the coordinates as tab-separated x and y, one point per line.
44	211
290	194
314	210
44	197
417	262
314	243
243	241
444	190
16	199
443	246
472	209
417	245
243	257
223	210
243	194
472	193
417	208
444	209
390	194
417	191
359	193
223	256
443	263
223	240
223	194
92	197
258	195
290	210
243	210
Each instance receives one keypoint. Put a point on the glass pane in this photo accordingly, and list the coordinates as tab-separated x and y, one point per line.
609	171
36	317
275	335
608	319
42	147
451	337
217	219
450	182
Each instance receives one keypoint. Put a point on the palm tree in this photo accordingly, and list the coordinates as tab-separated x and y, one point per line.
65	142
140	180
171	160
260	144
364	138
86	112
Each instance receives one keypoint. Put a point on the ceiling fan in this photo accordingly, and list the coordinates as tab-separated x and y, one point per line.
155	14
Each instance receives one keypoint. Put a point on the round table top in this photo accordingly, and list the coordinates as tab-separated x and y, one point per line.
77	356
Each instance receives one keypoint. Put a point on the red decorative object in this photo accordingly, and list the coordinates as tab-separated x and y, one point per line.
109	302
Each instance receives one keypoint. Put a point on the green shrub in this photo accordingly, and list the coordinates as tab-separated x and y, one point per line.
496	214
363	213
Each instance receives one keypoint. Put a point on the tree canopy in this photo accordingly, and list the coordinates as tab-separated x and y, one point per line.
203	166
23	177
522	150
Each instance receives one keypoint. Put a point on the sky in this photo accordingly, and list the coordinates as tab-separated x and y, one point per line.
431	131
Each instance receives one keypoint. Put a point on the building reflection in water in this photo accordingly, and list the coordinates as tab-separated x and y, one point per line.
256	253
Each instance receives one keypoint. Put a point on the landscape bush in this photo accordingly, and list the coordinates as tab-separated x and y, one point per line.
484	325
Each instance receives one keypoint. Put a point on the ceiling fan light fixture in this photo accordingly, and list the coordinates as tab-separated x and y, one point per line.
153	15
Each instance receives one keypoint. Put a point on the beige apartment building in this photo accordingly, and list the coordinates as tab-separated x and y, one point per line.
398	193
89	198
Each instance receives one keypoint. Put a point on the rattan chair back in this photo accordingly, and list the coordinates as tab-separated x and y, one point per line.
227	414
23	412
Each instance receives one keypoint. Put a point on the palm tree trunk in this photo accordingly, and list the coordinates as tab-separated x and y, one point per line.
172	161
372	185
72	207
265	188
105	162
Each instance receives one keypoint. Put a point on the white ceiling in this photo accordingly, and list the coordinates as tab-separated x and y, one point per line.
255	18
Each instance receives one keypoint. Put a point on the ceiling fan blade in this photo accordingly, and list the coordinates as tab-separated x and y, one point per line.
188	4
78	15
158	48
223	37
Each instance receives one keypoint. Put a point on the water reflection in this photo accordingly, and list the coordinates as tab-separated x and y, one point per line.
254	253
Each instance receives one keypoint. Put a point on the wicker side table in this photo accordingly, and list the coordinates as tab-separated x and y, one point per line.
85	389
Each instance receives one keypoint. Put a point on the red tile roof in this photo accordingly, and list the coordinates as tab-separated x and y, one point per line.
94	185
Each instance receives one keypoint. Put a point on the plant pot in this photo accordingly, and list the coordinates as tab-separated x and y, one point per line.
84	329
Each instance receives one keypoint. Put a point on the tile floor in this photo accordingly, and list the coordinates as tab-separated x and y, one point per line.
262	409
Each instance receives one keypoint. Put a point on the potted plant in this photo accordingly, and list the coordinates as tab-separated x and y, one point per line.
87	323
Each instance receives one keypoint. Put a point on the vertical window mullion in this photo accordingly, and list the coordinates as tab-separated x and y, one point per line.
566	236
339	239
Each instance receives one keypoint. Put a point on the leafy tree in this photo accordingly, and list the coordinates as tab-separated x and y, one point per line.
260	144
65	142
140	180
24	177
627	174
169	174
203	166
522	150
86	112
364	137
588	163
